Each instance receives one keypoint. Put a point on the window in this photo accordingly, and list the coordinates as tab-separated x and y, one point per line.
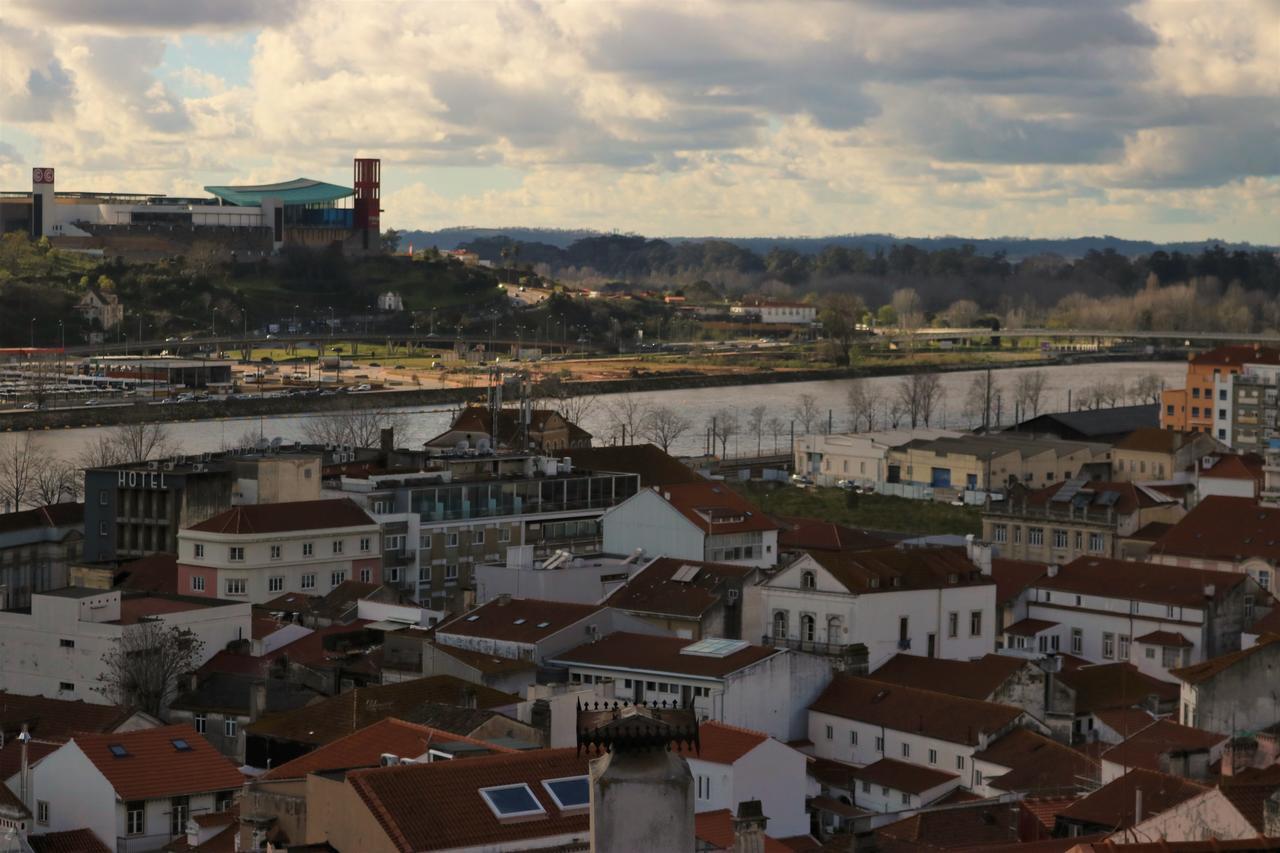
975	623
451	572
1124	647
135	817
424	574
102	497
504	534
808	627
393	543
808	580
337	577
223	801
197	583
308	548
1017	535
199	551
452	541
477	538
1059	538
853	737
1095	542
933	756
235	554
1171	658
1222	414
1108	645
1151	652
572	792
424	540
780	623
1035	535
906	798
1079	540
977	778
275	584
67	644
364	544
1077	641
42	812
1222	395
337	546
229	727
906	750
179	811
66	687
275	552
236	586
201	722
1000	532
830	732
366	575
959	762
953	624
102	528
879	744
309	581
704	787
866	787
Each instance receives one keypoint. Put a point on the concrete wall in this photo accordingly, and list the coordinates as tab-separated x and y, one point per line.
773	696
773	773
77	794
646	521
337	816
1207	815
1240	697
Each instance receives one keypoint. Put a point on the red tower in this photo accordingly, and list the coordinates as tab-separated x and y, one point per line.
368	186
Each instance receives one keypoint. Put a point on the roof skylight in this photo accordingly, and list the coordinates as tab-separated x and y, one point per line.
570	792
512	801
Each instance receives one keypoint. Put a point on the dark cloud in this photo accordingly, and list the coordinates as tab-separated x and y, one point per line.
165	15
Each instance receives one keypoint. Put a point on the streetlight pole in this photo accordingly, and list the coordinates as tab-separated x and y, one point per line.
33	333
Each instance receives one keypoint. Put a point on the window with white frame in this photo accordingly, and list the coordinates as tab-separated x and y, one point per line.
42	812
1095	542
1059	538
235	554
451	541
1000	532
879	744
236	586
424	540
229	727
395	542
424	574
504	534
451	572
1035	535
366	575
906	750
197	583
1124	647
275	584
201	722
199	551
959	762
477	537
853	737
337	546
337	577
135	819
308	548
1108	645
831	732
953	624
1077	641
365	544
275	552
308	581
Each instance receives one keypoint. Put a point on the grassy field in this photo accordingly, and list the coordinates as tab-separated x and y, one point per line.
874	512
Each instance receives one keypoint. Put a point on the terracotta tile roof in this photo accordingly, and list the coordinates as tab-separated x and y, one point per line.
156	767
365	747
56	718
1164	638
10	803
1125	721
652	589
11	754
977	679
716	830
1149	582
1199	673
1144	748
450	718
1038	764
438	806
927	712
1232	466
902	776
654	467
1014	577
1224	528
479	419
1151	531
814	534
291	602
135	608
1269	624
1114	685
348	712
1250	801
1130	497
958	795
967	826
1029	627
1235	355
834	774
868	572
714	508
721	743
1155	440
1044	845
221	842
516	620
154	573
1112	805
644	653
801	844
69	841
53	515
288	517
485	663
836	807
1213	846
1045	810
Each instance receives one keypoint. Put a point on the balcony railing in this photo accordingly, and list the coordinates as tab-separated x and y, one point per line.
816	647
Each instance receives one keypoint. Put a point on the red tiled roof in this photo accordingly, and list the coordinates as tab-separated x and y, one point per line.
982	823
1155	440
364	748
950	718
1044	845
1251	845
976	679
1029	627
438	805
654	467
56	718
9	801
1151	531
1235	355
1149	582
1144	748
714	508
68	841
516	620
1164	638
53	515
1250	801
1125	721
866	572
641	652
1037	764
721	743
1232	466
902	776
155	767
154	573
1013	577
652	590
814	534
1045	810
288	517
1205	670
484	663
1130	497
1112	805
134	609
1224	528
1269	624
11	754
716	829
225	841
1114	685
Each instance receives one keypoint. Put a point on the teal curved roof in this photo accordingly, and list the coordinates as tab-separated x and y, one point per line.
297	191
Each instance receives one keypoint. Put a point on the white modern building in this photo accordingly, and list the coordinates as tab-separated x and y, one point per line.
860	457
57	649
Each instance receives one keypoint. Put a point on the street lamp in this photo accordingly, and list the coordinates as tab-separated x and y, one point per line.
33	333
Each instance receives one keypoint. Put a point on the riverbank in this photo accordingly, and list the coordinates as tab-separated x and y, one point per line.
281	406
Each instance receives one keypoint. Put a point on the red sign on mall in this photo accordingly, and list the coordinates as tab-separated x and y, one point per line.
42	175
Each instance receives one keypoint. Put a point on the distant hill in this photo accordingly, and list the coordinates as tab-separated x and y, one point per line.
1014	248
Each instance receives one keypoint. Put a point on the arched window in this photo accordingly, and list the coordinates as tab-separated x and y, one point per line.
780	624
834	629
808	580
807	627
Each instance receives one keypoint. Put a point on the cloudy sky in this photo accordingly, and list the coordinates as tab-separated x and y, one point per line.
1151	119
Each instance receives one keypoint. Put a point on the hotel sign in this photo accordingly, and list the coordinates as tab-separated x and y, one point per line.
141	480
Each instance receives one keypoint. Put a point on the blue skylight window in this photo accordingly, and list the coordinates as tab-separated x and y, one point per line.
181	745
118	750
510	801
570	792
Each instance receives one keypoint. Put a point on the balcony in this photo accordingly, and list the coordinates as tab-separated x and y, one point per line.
796	644
904	644
392	559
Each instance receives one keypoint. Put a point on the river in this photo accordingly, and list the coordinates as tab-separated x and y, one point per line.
696	404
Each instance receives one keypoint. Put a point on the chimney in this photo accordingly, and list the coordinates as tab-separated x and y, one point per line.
1053	571
257	700
1210	590
24	774
748	827
1137	806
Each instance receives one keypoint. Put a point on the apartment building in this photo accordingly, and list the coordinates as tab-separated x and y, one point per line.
1246	415
1192	408
257	553
1225	534
1160	455
37	548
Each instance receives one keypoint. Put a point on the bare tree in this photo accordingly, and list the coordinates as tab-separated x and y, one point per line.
1028	391
627	415
806	412
1147	388
983	400
56	481
755	424
962	313
664	426
776	426
918	396
555	393
20	460
352	427
143	668
724	425
864	401
930	396
142	441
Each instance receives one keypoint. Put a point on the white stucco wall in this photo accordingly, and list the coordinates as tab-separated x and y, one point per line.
773	773
646	521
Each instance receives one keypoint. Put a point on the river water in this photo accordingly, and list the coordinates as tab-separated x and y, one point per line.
696	404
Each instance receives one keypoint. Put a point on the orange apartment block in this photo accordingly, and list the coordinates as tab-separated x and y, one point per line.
1190	408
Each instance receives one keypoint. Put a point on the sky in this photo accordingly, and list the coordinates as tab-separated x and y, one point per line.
1150	119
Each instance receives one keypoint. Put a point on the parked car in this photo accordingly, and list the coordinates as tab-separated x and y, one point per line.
30	406
801	480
